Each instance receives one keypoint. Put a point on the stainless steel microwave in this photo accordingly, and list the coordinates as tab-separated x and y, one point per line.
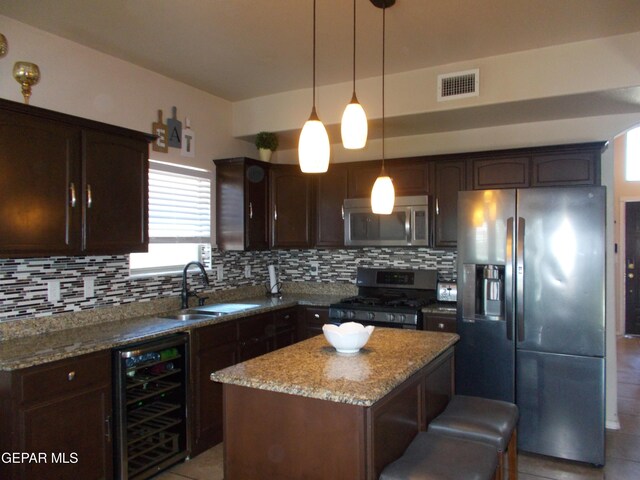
407	225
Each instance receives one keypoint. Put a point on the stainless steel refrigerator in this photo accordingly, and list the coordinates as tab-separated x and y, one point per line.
531	312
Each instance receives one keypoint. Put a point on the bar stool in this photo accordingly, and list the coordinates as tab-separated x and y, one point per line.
433	456
483	420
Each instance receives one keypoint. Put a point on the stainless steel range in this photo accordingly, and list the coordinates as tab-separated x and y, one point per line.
388	298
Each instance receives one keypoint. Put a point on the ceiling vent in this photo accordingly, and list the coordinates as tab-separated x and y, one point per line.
452	86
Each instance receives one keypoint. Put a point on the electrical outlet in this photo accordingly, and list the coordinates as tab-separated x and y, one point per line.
247	271
219	272
89	287
53	290
314	268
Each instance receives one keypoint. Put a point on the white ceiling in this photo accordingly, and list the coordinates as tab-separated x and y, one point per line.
239	49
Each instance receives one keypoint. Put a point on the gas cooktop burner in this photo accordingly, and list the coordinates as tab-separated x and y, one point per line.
388	298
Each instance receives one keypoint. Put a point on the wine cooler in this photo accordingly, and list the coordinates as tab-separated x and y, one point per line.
150	403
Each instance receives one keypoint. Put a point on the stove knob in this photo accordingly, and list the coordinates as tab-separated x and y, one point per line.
351	314
401	318
371	316
391	317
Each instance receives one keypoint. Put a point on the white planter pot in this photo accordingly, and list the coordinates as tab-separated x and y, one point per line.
265	154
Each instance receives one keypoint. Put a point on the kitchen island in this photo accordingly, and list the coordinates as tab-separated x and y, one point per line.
306	411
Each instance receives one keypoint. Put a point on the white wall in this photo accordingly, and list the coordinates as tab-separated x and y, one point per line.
86	83
581	67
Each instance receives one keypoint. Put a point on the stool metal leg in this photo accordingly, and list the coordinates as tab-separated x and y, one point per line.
512	451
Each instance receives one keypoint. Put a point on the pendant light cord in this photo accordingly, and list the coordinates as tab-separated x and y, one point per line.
354	47
384	9
314	55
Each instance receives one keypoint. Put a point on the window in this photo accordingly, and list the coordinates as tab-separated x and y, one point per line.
179	219
632	157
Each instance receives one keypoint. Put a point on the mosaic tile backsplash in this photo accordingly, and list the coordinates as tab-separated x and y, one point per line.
24	282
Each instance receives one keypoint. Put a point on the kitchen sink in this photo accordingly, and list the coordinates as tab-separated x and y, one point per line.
186	317
222	308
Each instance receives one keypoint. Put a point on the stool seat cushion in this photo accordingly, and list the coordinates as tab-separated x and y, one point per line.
479	419
432	456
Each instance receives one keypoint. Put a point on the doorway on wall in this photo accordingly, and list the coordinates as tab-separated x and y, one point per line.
632	267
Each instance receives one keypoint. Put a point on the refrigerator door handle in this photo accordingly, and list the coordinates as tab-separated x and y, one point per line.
508	279
520	280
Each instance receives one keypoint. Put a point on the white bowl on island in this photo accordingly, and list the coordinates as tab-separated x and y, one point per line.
347	337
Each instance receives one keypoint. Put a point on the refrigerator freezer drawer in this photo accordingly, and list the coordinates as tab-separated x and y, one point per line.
562	410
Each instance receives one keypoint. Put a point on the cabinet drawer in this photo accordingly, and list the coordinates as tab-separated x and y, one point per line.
255	327
441	323
215	335
65	377
285	318
317	315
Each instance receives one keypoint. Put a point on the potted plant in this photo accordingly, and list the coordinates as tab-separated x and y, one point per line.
266	142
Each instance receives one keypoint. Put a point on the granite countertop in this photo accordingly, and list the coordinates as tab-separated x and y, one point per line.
44	347
312	368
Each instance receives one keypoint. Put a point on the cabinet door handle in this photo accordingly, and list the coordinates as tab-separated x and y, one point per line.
107	432
71	376
441	326
316	315
72	194
275	213
287	317
250	210
437	207
342	211
89	196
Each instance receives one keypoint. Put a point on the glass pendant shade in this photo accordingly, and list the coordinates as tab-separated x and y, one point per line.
313	147
354	126
383	195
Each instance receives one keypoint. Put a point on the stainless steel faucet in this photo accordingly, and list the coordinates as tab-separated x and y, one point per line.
185	294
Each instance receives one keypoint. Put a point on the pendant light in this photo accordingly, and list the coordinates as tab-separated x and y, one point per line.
354	127
383	193
313	146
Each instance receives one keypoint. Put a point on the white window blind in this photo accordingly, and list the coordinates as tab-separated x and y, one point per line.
179	204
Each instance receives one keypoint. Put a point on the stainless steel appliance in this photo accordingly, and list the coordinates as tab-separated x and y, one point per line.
447	292
531	316
388	298
407	225
150	402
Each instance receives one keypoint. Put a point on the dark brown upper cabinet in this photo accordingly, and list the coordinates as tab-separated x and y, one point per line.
290	192
500	173
552	166
567	168
409	176
115	193
449	178
242	204
331	190
70	186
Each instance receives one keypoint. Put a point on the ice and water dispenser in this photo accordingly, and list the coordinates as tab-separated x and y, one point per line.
483	291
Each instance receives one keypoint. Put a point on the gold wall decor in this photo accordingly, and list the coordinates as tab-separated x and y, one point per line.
26	74
4	46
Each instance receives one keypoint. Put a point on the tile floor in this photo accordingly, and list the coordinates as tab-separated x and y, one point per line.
623	446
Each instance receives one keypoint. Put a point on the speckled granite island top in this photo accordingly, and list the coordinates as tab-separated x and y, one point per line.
313	368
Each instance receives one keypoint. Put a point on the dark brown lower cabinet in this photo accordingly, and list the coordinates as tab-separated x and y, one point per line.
61	413
274	435
215	347
285	324
312	320
440	323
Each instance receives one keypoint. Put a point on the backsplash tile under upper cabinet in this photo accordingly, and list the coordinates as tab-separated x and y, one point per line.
23	282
